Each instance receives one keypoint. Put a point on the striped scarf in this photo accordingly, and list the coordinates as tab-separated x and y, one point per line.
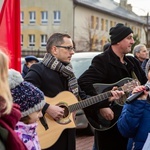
67	71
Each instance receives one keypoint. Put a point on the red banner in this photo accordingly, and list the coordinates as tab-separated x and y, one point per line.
10	31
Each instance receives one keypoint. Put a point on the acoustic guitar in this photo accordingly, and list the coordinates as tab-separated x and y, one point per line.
95	118
69	102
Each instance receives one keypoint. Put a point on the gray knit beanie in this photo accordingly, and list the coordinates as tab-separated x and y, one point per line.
26	95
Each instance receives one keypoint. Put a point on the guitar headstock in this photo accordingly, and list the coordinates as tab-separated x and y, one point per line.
129	86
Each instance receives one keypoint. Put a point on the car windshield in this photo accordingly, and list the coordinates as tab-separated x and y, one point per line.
80	65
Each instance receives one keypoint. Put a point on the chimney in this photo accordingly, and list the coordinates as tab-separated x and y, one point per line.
129	7
123	4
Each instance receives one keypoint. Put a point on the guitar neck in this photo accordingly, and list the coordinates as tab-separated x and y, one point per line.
127	87
89	101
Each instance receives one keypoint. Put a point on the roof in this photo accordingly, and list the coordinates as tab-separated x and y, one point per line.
110	7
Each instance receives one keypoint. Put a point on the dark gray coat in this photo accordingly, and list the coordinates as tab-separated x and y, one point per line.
51	83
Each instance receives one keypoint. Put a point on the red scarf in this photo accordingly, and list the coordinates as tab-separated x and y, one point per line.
9	122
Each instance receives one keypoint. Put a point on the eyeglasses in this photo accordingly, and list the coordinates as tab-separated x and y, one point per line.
69	48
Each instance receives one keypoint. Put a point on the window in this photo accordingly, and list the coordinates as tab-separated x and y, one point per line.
22	17
32	16
106	25
126	24
43	40
97	23
56	17
21	40
111	24
31	40
92	22
133	29
139	32
102	24
44	17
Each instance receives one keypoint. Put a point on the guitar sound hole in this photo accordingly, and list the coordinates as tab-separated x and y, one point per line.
66	111
65	119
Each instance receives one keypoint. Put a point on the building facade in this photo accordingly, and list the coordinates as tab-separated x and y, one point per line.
39	19
94	18
86	21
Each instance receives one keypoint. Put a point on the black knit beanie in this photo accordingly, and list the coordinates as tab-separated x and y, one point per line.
118	33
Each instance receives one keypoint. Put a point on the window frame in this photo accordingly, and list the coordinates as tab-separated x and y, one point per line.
44	17
43	40
32	17
57	17
21	39
31	40
22	17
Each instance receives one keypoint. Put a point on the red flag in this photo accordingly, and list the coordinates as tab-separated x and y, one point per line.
10	31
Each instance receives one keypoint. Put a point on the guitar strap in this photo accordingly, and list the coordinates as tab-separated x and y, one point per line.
43	122
133	75
42	119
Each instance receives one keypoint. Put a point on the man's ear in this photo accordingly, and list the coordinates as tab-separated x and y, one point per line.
137	54
54	50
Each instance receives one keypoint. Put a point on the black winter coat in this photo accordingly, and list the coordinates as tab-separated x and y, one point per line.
24	70
107	68
51	83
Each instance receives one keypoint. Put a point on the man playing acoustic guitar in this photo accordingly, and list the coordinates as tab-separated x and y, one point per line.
110	67
54	75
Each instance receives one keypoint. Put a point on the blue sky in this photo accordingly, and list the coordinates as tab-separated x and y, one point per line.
140	7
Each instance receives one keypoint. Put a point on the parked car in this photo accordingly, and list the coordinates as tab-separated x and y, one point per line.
81	61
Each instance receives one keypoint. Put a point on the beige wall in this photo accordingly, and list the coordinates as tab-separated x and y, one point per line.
82	29
66	25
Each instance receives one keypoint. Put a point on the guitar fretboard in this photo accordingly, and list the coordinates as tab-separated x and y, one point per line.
90	101
128	87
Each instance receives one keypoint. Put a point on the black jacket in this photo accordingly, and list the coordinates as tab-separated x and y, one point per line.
107	68
24	70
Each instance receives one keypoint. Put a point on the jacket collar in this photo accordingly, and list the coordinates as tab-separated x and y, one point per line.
115	60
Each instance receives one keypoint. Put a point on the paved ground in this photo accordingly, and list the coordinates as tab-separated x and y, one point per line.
83	141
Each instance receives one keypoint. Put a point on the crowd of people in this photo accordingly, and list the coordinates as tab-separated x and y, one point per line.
22	95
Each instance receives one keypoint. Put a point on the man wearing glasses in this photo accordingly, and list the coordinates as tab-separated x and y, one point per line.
54	75
50	76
